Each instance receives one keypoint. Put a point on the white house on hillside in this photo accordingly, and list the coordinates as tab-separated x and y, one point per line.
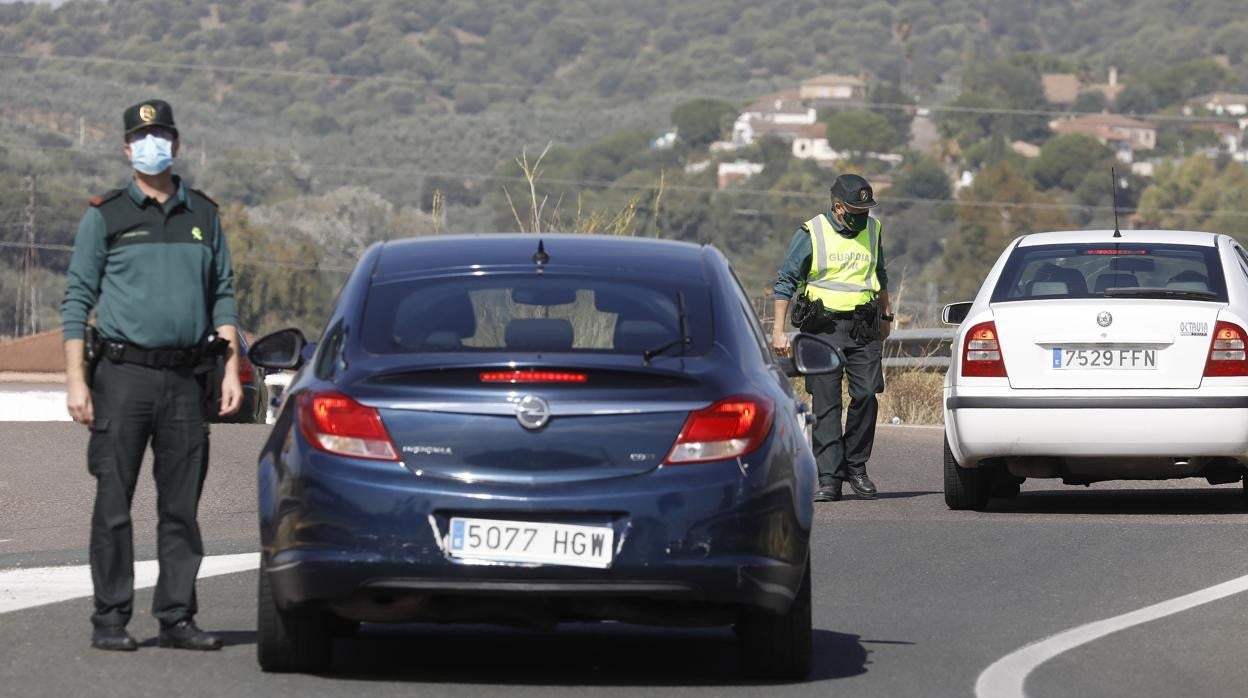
831	88
781	114
812	144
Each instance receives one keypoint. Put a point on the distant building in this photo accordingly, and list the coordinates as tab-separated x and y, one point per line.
781	114
733	173
1219	103
1061	89
1110	88
1121	133
812	144
831	89
1027	150
664	142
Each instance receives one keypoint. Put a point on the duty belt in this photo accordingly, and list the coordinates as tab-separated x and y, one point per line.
154	358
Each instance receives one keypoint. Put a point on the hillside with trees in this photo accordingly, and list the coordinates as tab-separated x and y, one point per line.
330	124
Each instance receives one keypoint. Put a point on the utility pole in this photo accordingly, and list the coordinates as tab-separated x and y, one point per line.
28	289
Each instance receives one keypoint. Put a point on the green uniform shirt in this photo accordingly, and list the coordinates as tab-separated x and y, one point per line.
796	265
163	280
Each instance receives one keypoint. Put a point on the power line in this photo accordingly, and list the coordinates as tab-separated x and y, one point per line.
609	184
428	82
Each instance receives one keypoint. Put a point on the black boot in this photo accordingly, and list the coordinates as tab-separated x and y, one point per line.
185	635
113	638
862	485
829	492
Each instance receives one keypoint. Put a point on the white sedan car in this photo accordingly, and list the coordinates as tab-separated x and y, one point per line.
1098	355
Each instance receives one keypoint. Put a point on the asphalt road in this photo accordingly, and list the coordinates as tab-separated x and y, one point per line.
910	599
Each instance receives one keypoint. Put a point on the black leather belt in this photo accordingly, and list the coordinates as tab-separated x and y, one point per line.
122	352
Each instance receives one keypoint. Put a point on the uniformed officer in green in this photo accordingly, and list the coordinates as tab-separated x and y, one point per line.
837	258
151	260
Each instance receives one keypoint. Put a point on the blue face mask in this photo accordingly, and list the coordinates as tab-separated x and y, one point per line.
151	155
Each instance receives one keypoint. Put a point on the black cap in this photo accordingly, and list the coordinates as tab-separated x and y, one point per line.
153	112
853	190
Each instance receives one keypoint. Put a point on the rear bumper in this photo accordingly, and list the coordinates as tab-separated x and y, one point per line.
1089	426
702	533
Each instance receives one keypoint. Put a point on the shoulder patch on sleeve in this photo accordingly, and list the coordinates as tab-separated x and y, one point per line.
204	196
106	197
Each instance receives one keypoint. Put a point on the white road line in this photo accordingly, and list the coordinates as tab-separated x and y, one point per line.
39	586
1005	677
6	540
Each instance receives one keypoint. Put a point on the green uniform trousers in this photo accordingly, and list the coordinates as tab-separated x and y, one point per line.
135	405
841	452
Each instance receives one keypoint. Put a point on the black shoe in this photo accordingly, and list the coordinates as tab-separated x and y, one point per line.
862	485
185	635
113	638
829	493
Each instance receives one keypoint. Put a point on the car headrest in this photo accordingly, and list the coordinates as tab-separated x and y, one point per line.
1189	280
539	334
637	336
416	325
1111	279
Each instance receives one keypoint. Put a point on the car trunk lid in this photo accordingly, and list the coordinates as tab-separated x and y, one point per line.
1105	342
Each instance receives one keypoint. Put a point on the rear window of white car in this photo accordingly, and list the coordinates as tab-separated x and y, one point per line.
1043	272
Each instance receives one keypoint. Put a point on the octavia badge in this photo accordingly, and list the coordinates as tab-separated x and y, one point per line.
1104	319
532	412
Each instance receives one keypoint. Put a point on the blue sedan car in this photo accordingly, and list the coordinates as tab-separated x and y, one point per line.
522	430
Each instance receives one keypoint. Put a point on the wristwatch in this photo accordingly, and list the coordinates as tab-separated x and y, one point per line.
887	318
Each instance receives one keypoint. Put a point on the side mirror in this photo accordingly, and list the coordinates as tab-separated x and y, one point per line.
955	313
812	356
281	349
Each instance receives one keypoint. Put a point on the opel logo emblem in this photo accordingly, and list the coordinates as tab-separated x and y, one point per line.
1104	319
532	412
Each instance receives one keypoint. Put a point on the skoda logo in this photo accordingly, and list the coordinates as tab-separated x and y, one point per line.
532	412
1104	319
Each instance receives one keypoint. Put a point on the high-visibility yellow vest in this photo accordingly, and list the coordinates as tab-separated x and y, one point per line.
842	270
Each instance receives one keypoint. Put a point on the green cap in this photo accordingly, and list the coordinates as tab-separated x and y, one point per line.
154	112
853	190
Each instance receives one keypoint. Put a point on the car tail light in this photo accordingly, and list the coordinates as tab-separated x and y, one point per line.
337	424
533	377
731	427
246	372
1227	353
981	355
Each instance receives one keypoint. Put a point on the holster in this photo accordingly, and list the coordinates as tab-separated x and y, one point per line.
865	327
805	313
92	352
210	372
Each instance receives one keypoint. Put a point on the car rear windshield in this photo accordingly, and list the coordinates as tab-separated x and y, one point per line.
535	313
1147	270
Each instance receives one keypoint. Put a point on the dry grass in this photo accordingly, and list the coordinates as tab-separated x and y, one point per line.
913	397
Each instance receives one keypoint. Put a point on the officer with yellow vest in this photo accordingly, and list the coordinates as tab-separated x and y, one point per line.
836	261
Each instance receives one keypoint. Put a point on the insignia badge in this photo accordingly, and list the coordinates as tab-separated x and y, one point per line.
147	113
532	412
1104	319
197	233
864	194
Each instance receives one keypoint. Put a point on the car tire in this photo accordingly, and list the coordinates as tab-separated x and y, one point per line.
778	646
295	640
965	488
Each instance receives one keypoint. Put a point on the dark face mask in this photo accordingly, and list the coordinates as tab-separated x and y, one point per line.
855	222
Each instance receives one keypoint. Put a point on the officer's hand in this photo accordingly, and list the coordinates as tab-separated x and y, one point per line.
78	400
886	328
780	343
231	393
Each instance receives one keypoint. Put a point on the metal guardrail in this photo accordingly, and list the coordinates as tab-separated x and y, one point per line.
921	349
